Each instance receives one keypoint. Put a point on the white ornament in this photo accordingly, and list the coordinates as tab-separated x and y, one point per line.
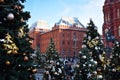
58	63
100	76
47	72
91	60
89	65
95	72
84	57
10	16
77	66
117	42
89	37
97	37
84	65
95	62
90	53
83	46
51	61
114	70
116	54
59	70
80	52
96	48
55	73
118	45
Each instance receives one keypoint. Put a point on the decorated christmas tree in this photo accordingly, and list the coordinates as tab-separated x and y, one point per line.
37	57
15	50
86	69
54	66
93	43
113	72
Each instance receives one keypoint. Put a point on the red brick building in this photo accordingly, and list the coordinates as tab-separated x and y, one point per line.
67	34
111	11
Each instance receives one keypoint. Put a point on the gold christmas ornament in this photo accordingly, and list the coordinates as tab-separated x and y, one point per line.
7	62
9	52
30	41
9	45
92	43
21	33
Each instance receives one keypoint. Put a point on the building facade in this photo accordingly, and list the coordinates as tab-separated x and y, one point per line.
111	11
67	34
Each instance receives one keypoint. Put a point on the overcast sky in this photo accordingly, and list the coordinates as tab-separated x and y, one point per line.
52	11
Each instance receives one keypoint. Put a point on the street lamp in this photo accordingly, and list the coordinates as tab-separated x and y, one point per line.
109	38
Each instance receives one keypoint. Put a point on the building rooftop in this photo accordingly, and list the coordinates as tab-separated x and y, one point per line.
70	21
41	24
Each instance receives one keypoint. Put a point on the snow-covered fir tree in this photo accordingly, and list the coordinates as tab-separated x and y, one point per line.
113	67
93	42
86	67
54	69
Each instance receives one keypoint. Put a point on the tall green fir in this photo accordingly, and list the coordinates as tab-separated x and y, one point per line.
54	69
92	40
86	66
15	43
37	58
113	72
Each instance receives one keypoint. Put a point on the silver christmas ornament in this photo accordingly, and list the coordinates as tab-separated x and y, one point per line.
10	16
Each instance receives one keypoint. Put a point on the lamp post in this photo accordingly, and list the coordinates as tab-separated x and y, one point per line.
108	38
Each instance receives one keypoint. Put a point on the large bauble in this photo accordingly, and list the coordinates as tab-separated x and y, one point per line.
10	16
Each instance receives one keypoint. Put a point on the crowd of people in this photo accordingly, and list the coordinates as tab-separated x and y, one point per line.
60	71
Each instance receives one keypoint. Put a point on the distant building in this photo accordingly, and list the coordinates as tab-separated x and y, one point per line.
111	25
67	34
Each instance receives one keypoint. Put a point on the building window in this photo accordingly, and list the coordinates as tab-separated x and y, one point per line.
63	35
68	42
118	13
108	17
119	30
63	42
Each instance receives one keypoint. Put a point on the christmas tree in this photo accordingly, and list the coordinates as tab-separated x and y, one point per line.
86	68
114	63
94	44
15	50
37	57
54	66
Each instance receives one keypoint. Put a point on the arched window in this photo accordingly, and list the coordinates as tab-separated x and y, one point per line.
118	13
119	30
